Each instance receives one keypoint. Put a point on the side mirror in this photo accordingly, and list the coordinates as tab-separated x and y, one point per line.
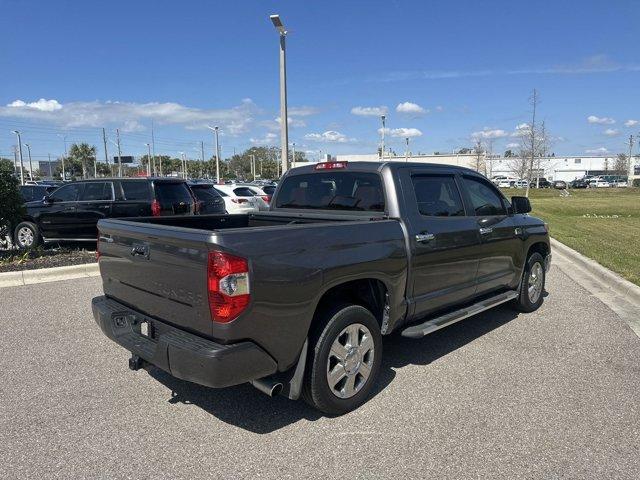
520	204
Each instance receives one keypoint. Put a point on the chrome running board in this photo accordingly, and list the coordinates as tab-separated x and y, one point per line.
430	326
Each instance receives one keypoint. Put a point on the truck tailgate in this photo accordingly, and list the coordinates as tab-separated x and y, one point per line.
158	270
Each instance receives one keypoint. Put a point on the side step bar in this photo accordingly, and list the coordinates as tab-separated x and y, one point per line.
431	325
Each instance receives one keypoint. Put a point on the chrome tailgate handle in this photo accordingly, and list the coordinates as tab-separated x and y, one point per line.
424	237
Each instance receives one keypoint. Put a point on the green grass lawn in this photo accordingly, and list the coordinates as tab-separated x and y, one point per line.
603	224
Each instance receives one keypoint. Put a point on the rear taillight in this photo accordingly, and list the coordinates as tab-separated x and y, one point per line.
155	208
239	200
228	286
266	198
330	165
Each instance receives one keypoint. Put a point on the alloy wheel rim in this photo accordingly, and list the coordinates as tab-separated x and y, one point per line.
350	360
25	236
536	277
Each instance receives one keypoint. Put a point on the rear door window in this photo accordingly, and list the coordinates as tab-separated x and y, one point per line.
437	196
206	194
136	191
97	191
354	191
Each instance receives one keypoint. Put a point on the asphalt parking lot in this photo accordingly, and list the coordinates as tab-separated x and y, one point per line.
551	394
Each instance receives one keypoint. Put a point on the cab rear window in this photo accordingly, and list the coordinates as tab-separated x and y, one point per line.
332	190
173	192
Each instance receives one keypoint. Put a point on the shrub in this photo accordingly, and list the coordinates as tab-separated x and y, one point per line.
636	182
11	202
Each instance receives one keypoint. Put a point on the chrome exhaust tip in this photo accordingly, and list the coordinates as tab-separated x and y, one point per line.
268	386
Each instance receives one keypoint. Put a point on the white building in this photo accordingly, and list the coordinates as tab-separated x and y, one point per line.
553	168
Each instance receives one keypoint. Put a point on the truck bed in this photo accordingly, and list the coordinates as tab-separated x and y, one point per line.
293	259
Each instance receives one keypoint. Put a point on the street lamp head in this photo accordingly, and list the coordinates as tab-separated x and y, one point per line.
275	19
16	132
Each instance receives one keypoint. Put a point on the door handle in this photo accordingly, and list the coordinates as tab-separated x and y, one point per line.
486	230
424	237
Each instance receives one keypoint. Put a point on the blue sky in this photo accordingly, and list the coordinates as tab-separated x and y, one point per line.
442	70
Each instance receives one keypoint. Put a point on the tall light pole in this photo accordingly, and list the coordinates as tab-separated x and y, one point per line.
631	170
149	171
383	118
64	138
21	162
406	154
119	153
215	136
30	163
202	157
106	153
284	117
293	153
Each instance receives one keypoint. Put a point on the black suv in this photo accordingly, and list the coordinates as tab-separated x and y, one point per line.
209	200
35	192
71	212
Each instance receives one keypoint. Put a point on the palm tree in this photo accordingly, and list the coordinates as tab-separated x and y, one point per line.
83	153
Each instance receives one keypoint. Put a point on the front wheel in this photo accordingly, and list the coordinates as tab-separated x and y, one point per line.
345	360
531	291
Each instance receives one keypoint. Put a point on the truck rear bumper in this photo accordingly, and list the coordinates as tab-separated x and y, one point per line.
178	352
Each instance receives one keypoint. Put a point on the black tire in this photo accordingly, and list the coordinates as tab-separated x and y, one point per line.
21	240
316	390
524	303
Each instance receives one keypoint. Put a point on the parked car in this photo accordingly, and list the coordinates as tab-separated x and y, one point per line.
269	190
559	184
242	202
209	199
540	183
598	183
520	184
35	192
71	212
503	181
259	193
578	183
296	300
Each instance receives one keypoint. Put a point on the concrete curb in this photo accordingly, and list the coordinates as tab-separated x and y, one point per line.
42	275
613	281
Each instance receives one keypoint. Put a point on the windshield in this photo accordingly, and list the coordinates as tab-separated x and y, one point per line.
332	191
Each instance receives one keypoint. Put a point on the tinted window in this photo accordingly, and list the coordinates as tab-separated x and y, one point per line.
484	199
332	191
222	194
173	192
97	191
244	192
136	191
269	189
206	194
437	196
68	193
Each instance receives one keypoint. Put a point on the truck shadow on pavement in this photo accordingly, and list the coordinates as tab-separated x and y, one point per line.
247	408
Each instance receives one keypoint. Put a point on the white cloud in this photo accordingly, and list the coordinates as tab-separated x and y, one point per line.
600	120
597	151
234	120
329	136
292	122
41	105
513	145
303	111
369	111
439	108
409	107
402	132
489	133
268	139
631	123
611	132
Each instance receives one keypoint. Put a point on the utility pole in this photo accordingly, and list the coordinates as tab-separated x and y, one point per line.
15	159
202	156
284	116
106	153
119	153
253	166
149	170
154	170
217	152
21	161
30	163
64	138
293	153
406	152
631	169
50	172
383	118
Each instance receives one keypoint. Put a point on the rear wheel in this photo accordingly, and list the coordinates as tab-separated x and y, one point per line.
345	360
531	291
26	235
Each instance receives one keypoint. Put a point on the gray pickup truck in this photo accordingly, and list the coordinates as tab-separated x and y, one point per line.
296	300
